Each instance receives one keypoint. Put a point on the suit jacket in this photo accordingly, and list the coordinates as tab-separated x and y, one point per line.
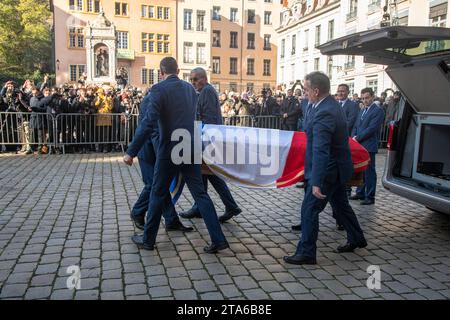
208	106
327	149
291	106
367	128
147	152
269	107
304	105
171	106
351	109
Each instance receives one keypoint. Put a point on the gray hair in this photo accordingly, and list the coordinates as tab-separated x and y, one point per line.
200	71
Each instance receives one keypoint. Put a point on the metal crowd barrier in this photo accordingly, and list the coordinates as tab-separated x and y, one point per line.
268	122
91	130
28	130
32	131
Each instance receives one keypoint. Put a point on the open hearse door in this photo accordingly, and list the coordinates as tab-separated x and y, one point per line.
418	62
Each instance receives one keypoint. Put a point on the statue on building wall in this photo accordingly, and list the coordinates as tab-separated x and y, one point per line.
101	62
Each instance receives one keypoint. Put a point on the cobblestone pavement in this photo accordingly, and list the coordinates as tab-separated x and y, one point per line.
59	211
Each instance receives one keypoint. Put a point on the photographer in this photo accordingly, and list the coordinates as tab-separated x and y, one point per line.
9	123
38	119
83	105
291	112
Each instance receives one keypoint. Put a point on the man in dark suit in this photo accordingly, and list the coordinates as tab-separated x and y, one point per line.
269	105
328	166
291	112
172	109
351	108
208	111
366	132
147	160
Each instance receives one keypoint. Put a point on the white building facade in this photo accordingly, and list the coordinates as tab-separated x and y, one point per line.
193	36
303	18
303	27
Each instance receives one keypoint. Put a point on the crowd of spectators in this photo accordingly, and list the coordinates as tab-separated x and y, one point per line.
29	114
96	115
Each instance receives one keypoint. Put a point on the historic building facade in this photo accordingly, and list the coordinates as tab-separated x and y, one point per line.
310	22
234	40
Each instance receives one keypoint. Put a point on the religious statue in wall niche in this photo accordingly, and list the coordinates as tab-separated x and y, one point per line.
101	61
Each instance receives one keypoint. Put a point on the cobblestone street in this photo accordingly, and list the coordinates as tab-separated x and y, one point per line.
64	210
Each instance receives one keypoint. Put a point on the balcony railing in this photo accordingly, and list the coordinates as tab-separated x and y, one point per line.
351	15
349	65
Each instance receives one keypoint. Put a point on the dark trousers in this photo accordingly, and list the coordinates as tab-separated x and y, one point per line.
370	180
165	170
141	206
222	189
312	206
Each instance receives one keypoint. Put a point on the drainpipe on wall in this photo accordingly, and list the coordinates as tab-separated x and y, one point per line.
242	42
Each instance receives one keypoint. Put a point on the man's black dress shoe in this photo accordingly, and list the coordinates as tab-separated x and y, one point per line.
190	214
229	214
297	227
340	227
139	241
214	248
367	202
139	222
356	197
178	226
298	259
348	247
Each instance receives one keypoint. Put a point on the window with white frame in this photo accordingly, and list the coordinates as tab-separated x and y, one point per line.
251	16
216	13
330	30
201	20
201	53
372	83
233	65
306	40
233	14
122	39
121	9
316	64
267	45
266	67
76	71
76	37
250	67
293	44
267	17
216	38
188	54
187	19
216	65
